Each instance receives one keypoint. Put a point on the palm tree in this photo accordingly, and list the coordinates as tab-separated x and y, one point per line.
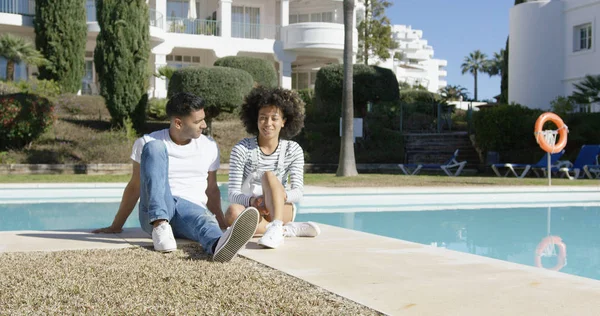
495	66
474	63
587	91
17	49
453	93
347	161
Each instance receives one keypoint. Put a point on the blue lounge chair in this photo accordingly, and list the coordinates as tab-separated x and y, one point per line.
447	167
525	168
586	163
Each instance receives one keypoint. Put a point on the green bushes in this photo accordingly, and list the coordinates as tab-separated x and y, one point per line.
60	35
222	88
157	109
371	84
23	118
121	59
262	71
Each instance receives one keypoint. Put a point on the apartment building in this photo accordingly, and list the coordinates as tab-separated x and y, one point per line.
417	65
552	45
298	36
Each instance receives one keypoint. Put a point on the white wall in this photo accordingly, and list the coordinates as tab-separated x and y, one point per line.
543	63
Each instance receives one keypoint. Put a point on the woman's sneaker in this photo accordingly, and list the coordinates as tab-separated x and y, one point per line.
237	236
163	239
301	229
273	237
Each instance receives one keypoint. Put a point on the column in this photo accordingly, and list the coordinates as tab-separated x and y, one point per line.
285	12
285	74
160	84
161	7
225	17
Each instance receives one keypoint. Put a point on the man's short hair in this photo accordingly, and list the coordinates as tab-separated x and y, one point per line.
183	104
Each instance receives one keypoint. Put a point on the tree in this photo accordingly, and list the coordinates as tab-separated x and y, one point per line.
495	66
347	160
473	64
121	59
16	50
453	93
375	32
60	35
587	91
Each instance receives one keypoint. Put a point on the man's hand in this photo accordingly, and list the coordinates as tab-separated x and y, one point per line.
259	203
107	230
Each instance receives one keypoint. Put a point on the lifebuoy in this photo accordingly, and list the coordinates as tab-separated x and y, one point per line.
563	130
562	252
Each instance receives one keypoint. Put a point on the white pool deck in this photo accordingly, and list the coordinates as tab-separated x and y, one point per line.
392	276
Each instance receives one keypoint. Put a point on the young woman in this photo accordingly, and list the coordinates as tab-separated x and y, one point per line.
259	166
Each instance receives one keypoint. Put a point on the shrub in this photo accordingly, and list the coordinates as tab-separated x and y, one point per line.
121	59
157	109
371	84
222	88
45	88
262	71
60	35
507	129
308	96
23	118
562	105
8	88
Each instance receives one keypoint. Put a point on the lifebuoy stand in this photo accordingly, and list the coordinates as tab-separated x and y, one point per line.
547	146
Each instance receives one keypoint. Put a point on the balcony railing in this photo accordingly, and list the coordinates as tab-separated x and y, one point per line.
193	26
255	31
155	17
22	7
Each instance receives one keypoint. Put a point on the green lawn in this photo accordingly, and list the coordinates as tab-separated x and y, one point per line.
329	180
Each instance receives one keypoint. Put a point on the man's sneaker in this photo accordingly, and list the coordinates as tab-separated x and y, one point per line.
237	236
273	237
301	229
163	239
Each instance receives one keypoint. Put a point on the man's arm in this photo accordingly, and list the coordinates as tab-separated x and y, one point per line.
214	199
131	194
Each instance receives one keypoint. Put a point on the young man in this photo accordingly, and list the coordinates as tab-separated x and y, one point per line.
175	178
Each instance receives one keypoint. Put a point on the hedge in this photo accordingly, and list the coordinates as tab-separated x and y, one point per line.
262	71
23	118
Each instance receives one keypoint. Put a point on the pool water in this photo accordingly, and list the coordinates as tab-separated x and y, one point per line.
510	234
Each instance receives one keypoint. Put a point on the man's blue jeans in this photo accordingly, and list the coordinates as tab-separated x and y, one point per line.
188	220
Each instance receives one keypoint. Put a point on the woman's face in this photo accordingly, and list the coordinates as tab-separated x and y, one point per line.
270	122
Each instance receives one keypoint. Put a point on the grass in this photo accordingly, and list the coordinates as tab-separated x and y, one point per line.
330	180
138	281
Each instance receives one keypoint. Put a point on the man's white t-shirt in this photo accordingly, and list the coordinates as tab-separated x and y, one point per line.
188	164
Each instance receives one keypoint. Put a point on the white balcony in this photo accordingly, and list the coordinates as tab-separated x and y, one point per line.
442	73
322	37
420	55
17	12
443	63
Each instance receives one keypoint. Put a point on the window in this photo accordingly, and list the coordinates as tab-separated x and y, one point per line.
245	22
300	80
20	70
180	8
583	37
313	17
179	61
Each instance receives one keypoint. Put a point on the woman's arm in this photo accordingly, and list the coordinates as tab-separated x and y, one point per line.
296	169
237	161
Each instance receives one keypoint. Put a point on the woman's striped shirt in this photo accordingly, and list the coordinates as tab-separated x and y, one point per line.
240	168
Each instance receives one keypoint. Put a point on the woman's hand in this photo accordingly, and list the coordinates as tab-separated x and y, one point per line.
259	203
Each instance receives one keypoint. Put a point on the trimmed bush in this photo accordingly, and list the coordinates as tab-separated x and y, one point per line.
23	118
45	88
157	109
262	71
222	88
8	88
60	35
371	84
121	59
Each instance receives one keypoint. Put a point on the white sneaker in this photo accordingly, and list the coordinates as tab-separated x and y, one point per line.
301	229
273	237
237	236
163	239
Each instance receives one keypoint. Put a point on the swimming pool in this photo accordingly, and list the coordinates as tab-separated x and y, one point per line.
505	224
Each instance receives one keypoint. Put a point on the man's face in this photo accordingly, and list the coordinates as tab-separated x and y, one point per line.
191	126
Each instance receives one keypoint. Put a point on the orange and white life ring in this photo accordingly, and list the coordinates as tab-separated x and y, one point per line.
563	130
551	241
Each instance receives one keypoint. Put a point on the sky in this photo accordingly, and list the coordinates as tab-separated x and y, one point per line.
456	28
